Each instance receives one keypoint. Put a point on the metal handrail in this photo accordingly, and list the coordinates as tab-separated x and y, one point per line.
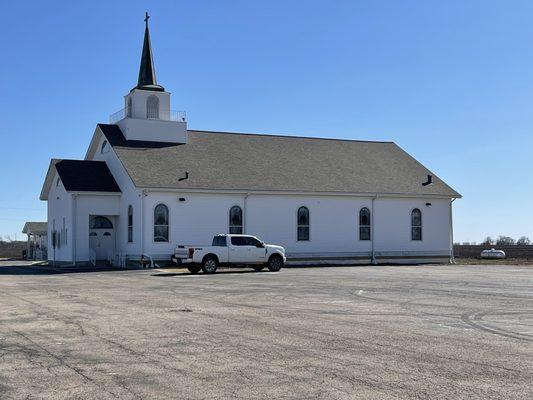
171	115
92	257
148	256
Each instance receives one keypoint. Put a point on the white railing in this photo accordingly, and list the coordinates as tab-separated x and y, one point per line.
92	257
148	257
170	115
118	260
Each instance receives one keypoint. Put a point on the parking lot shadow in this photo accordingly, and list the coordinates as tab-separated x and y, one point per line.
219	272
14	268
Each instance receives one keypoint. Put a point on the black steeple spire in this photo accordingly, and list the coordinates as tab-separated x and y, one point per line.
147	79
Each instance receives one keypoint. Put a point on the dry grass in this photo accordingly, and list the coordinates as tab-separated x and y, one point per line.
12	249
505	261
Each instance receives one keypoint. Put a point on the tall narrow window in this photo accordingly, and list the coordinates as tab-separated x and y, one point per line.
129	108
235	220
303	223
130	224
104	148
364	224
152	107
416	224
161	223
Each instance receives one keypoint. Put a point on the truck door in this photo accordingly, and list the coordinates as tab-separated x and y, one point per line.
257	250
238	250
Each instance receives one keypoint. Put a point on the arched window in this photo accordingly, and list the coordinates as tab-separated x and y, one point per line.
104	148
100	222
235	220
161	223
416	224
364	224
303	223
130	224
129	106
152	107
58	181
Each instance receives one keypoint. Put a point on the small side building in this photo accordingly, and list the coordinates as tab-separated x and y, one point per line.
37	243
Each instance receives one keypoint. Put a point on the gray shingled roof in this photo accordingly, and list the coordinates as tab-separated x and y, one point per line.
35	227
235	161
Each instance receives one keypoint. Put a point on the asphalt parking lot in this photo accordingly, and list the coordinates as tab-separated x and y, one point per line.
409	332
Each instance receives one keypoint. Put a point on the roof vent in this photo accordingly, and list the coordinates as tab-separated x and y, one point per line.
186	176
429	181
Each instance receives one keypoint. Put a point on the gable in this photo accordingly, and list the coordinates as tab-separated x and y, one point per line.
80	176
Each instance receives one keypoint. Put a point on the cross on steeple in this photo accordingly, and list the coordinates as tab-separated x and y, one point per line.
146	17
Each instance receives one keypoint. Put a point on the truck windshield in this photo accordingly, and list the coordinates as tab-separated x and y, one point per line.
219	241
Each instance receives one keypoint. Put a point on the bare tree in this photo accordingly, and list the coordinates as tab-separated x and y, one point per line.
505	241
488	241
523	241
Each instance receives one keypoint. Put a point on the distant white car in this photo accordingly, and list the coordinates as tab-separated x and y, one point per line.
231	250
493	253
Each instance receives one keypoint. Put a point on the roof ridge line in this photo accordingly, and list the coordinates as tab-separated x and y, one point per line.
291	136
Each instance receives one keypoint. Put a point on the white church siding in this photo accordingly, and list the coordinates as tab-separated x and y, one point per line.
59	210
130	196
334	224
193	221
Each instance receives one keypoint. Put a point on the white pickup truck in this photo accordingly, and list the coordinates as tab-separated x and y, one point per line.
230	250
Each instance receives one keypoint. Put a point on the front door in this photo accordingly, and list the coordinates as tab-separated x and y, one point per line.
101	237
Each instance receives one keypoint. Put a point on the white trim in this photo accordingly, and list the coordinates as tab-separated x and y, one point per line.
297	193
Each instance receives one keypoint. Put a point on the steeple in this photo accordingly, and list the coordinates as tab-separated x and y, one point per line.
147	80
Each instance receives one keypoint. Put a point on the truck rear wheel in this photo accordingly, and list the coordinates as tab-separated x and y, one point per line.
194	269
209	265
275	263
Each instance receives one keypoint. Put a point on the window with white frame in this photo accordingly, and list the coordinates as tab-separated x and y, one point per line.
161	223
129	108
303	222
235	220
152	107
104	148
416	224
130	224
364	224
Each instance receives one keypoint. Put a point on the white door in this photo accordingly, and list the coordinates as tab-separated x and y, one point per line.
102	241
101	237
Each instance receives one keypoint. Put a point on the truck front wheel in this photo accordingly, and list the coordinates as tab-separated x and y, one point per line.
209	265
275	263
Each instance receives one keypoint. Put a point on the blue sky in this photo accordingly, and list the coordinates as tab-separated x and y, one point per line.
449	81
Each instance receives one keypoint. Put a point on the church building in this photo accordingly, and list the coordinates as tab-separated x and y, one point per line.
148	183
